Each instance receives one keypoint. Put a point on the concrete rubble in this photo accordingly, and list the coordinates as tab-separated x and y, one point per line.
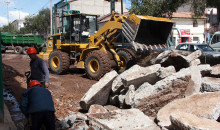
206	105
122	119
152	97
210	84
99	92
187	121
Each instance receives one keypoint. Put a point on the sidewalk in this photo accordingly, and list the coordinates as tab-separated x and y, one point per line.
8	123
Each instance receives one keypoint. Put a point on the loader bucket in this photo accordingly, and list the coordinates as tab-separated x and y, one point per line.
146	32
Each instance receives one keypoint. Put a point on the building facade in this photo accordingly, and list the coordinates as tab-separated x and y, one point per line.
191	29
98	7
18	24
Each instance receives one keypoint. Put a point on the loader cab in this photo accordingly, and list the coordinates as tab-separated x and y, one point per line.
77	28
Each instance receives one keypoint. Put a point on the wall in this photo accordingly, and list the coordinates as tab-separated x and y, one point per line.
192	32
17	24
98	7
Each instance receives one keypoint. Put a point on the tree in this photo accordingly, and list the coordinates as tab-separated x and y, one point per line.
157	8
162	8
9	28
216	4
39	23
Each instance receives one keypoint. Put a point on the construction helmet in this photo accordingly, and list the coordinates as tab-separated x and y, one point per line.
31	50
33	83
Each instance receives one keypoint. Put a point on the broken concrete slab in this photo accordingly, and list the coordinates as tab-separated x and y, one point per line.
121	99
81	116
187	121
205	105
210	84
193	55
216	69
129	96
161	57
165	72
68	121
205	69
143	91
117	83
122	119
111	108
97	109
136	76
195	82
99	92
164	91
179	59
195	62
80	126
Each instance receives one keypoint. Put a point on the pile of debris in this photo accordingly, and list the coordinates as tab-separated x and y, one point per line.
176	92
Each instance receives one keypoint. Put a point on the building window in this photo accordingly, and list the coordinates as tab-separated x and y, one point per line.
195	23
195	39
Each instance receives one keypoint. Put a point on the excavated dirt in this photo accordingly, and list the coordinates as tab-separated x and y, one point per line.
67	90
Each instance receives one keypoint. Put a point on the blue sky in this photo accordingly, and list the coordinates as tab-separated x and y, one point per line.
24	8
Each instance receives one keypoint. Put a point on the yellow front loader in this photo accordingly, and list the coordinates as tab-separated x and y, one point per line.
80	44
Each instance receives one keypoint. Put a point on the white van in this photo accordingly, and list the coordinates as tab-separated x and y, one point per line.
215	41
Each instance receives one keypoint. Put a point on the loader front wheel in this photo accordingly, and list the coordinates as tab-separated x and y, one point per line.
97	64
126	60
59	62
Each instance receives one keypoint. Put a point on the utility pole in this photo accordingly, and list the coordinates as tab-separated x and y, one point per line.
7	2
51	18
121	6
112	6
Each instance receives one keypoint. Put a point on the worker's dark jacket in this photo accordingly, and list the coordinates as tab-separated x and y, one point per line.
39	70
36	99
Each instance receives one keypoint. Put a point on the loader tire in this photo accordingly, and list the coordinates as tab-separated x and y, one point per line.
59	62
127	60
97	64
18	49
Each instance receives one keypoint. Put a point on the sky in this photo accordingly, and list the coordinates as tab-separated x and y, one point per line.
23	8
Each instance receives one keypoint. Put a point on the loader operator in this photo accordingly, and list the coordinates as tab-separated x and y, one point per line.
37	105
39	70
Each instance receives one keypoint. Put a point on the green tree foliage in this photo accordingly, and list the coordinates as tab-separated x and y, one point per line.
162	8
39	23
157	8
9	28
214	3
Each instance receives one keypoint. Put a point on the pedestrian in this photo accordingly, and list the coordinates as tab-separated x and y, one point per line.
37	105
39	70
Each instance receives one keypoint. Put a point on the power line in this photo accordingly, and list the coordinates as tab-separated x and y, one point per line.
41	7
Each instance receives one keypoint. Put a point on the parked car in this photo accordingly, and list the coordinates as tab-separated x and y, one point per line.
215	41
209	55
